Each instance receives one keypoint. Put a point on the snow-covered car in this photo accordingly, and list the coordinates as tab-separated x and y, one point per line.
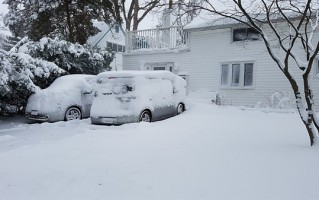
134	96
67	98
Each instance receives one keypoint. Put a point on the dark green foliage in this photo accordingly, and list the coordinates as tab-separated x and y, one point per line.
70	20
41	26
14	100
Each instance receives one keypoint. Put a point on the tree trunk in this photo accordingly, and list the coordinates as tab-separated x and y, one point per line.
309	100
135	16
135	25
69	24
128	25
309	123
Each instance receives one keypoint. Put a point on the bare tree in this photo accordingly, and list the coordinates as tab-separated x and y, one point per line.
138	10
300	23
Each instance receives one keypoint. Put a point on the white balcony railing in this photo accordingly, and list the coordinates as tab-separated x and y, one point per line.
159	38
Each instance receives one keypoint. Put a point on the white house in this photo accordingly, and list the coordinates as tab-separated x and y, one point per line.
223	56
112	37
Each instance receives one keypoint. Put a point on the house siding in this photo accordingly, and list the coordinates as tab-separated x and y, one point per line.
208	50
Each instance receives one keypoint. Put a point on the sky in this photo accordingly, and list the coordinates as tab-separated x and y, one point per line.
3	11
3	7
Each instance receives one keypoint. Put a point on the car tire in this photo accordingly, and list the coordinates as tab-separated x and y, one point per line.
145	116
73	113
180	108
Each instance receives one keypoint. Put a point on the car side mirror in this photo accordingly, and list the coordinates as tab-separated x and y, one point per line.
175	90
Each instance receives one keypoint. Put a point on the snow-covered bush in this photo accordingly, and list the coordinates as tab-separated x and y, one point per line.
31	65
73	58
7	41
278	100
219	99
20	75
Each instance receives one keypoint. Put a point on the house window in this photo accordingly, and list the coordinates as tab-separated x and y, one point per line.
237	75
115	47
158	68
224	78
168	66
315	68
248	75
242	34
120	48
117	28
109	45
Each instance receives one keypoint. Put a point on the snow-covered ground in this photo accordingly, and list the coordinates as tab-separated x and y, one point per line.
208	152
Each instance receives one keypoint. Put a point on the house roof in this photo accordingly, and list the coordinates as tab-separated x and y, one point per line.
215	22
106	34
209	21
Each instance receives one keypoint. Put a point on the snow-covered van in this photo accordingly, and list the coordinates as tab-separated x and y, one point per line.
134	96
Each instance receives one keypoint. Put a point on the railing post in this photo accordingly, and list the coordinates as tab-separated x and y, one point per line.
157	37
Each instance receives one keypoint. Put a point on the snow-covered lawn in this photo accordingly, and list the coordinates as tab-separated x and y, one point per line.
208	152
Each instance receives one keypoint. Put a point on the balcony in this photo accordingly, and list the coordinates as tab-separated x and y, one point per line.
172	38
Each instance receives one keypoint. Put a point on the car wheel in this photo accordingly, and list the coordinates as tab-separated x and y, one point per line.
180	108
72	114
145	116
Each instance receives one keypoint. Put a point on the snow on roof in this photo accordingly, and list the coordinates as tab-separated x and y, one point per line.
211	21
208	20
70	81
106	34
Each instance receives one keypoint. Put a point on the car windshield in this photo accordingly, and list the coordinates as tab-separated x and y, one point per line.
116	85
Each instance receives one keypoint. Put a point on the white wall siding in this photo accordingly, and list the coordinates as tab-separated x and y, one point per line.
208	50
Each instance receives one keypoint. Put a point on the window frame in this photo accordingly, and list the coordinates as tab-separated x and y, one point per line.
246	38
242	68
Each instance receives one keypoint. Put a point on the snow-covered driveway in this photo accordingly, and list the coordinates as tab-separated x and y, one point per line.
208	152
